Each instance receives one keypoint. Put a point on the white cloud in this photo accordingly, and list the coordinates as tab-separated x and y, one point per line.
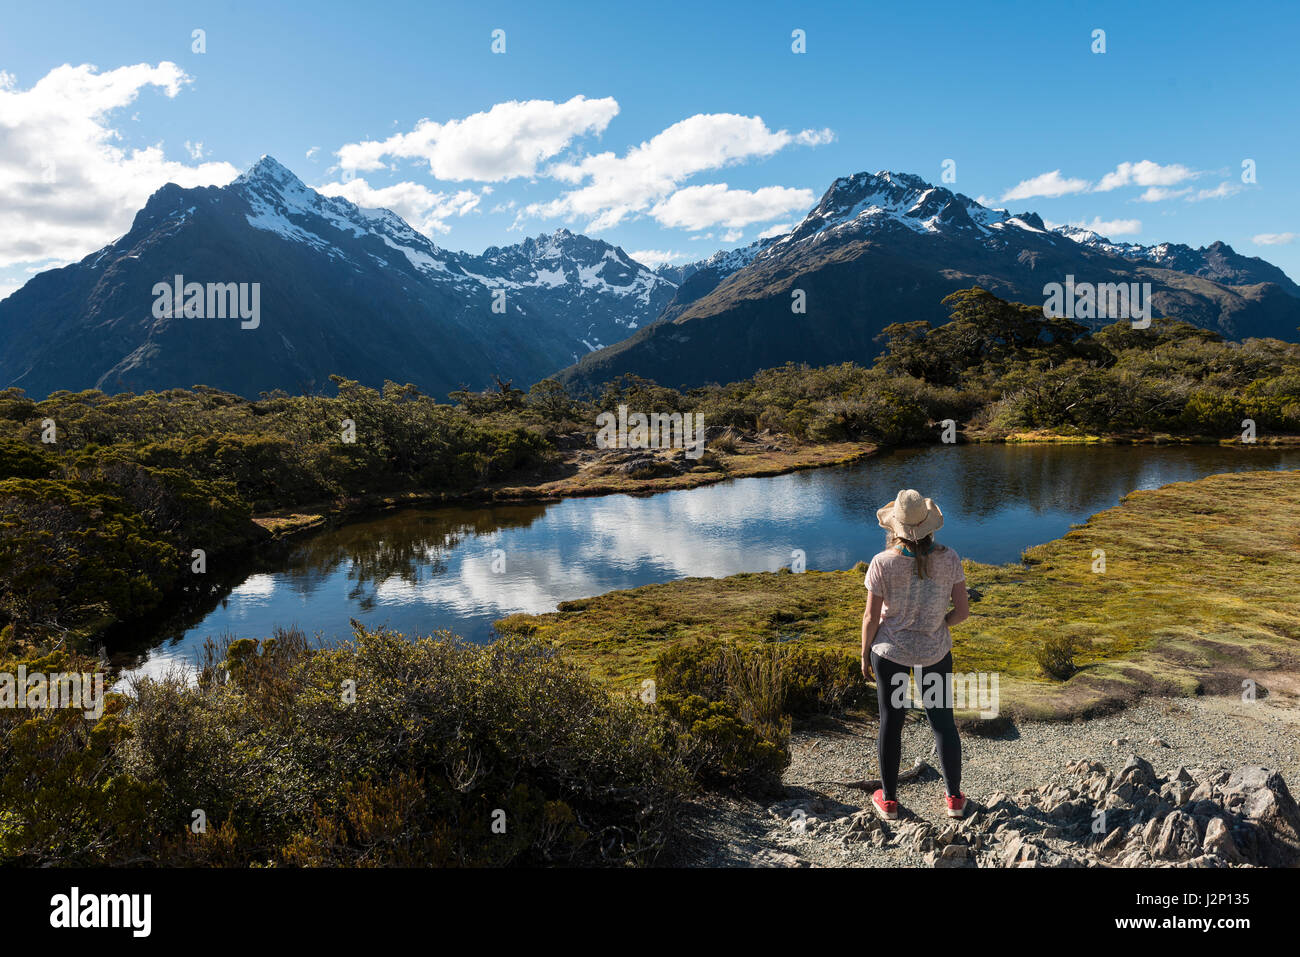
815	137
312	152
780	229
716	204
1145	173
1222	191
510	140
1048	184
69	187
1156	194
1111	228
1273	239
194	149
619	186
658	257
424	209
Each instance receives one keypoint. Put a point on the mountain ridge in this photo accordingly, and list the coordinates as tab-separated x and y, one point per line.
361	293
344	289
887	247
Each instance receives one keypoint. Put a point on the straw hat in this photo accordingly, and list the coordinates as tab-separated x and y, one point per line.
910	516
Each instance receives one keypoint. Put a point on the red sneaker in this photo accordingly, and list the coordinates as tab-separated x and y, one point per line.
886	809
956	805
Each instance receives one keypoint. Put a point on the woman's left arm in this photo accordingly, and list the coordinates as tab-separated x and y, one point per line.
870	625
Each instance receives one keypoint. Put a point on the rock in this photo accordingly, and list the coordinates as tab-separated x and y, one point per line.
770	858
1135	857
1138	772
1178	838
1157	742
863	826
1112	842
1241	818
1218	841
1057	797
948	835
954	855
1018	851
1179	793
1266	802
1115	802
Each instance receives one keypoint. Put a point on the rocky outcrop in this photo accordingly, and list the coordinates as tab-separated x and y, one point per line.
1089	816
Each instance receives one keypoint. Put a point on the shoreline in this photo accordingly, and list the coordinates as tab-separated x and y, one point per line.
299	519
296	520
1194	600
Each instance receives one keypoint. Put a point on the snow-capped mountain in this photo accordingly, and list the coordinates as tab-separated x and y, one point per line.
342	289
696	280
358	292
599	287
1217	261
887	247
876	202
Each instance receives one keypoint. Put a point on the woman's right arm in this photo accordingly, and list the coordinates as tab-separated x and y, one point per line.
960	610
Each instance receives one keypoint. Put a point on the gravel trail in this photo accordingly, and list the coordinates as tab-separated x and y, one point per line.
1201	732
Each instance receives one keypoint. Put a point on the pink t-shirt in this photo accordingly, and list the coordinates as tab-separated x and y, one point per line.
912	627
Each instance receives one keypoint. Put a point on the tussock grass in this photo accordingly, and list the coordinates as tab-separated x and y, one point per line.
1201	590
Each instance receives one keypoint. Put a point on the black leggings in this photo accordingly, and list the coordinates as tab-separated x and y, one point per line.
891	690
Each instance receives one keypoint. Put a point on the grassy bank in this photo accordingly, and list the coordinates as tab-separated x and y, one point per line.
1198	594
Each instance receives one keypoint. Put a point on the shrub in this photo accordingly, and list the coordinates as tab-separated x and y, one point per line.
63	801
1056	657
770	680
443	740
20	459
723	750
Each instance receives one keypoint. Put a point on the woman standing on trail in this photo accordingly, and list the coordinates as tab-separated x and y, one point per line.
905	625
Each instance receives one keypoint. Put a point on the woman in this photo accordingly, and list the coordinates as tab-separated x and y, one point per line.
905	625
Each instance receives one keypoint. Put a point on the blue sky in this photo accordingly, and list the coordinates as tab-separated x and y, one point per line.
1144	141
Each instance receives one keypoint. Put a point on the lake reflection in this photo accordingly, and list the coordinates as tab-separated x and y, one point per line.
421	570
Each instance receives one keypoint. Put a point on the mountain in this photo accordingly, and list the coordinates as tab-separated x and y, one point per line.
341	289
1217	261
696	280
887	247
